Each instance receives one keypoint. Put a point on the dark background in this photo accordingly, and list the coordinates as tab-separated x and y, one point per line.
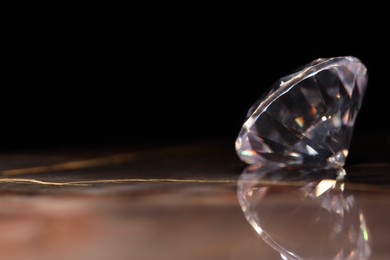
96	76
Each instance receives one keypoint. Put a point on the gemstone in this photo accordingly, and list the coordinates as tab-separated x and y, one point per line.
307	118
305	217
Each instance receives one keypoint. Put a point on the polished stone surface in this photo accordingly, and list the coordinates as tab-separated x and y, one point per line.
172	203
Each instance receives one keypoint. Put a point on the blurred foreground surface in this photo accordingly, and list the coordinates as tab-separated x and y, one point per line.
168	203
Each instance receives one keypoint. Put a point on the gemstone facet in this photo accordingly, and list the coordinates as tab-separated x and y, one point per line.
307	118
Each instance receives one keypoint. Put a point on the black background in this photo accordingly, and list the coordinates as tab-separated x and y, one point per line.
97	76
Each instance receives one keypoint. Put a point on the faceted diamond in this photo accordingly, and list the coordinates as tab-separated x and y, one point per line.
305	214
307	118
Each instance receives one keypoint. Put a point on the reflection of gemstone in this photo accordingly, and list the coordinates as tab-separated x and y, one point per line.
307	118
304	215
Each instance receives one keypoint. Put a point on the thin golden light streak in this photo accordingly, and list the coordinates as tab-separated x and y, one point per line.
33	181
88	182
351	186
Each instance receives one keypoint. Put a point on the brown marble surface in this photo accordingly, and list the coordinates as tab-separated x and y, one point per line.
166	203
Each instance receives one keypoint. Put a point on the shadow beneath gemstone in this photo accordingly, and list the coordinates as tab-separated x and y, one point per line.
304	214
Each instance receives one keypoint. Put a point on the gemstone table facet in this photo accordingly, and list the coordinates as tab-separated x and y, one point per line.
307	118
